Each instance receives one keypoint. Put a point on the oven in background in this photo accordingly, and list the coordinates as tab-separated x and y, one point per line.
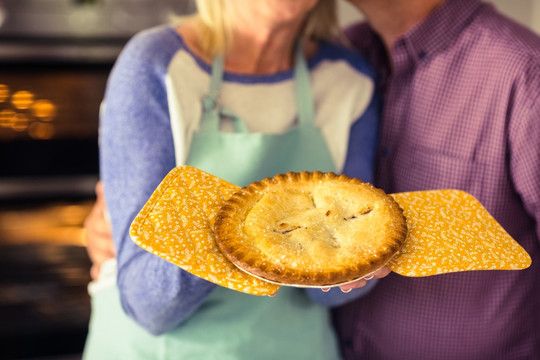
48	128
55	57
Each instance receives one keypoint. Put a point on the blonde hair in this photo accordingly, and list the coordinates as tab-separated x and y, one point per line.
213	23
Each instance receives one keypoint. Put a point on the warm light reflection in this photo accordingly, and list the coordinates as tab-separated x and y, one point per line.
20	122
22	99
7	117
25	114
72	214
4	92
61	224
44	110
41	131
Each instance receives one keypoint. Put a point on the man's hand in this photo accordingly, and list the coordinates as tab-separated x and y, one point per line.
98	234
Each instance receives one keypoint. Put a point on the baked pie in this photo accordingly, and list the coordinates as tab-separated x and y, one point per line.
310	229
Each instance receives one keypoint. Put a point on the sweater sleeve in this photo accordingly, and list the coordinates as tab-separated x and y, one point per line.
136	152
360	161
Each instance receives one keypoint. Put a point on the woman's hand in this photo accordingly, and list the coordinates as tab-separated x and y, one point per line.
379	274
98	234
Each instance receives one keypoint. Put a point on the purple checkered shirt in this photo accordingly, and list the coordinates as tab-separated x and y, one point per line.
462	110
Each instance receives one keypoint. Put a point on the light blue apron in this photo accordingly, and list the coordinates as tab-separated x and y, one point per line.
230	324
242	157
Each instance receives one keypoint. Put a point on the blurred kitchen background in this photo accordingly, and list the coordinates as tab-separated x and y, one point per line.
55	56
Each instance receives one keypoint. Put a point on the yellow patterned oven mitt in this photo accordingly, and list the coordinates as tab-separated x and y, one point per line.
448	231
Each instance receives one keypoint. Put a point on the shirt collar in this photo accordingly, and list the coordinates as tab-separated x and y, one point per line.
439	29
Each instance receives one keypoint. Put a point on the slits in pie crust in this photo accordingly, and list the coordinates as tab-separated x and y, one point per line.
310	229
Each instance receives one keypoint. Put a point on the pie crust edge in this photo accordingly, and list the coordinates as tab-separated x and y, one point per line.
229	224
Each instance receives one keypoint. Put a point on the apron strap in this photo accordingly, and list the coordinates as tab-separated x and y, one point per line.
210	102
212	110
302	89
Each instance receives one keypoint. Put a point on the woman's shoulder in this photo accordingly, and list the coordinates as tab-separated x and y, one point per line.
157	37
153	46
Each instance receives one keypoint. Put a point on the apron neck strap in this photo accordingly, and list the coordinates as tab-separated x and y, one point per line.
210	102
302	89
216	76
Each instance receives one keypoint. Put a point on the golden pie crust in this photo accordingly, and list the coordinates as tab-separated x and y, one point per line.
310	229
